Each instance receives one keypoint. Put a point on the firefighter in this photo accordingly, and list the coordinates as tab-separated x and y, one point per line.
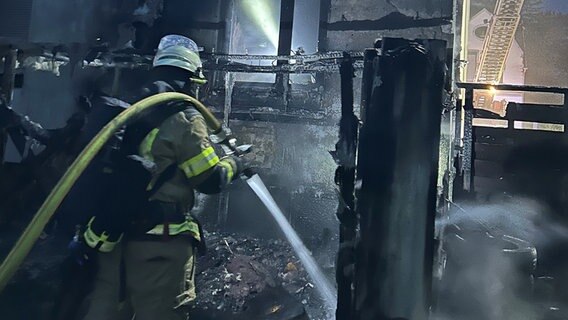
157	244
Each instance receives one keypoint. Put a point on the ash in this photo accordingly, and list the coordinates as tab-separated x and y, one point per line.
237	268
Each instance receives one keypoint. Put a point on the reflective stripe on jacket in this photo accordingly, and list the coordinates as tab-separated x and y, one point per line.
183	140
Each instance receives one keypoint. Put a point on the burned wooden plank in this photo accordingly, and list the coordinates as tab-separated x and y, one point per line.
481	113
511	87
537	113
515	137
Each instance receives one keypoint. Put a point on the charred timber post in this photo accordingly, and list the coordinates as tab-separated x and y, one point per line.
8	78
345	155
285	46
397	171
7	86
370	57
325	10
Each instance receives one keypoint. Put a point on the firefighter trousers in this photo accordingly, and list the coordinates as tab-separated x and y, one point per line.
159	281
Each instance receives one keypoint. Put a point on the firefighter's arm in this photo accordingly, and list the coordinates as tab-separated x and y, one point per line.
197	158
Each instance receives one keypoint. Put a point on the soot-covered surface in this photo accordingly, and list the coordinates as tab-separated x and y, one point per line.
240	278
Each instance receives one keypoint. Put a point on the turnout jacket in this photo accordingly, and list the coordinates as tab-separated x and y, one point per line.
181	141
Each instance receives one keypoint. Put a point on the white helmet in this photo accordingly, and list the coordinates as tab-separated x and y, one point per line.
179	51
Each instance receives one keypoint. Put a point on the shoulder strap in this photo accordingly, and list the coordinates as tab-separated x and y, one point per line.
136	132
163	178
144	125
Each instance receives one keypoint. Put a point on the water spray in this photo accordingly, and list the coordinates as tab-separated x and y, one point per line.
322	285
326	291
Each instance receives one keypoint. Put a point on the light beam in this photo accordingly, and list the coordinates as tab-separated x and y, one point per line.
261	14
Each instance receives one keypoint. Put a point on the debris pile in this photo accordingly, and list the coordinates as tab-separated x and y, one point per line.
240	277
238	268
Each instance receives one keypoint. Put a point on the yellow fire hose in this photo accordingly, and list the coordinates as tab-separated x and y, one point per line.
32	232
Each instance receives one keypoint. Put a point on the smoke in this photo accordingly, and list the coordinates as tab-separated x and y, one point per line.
492	259
523	218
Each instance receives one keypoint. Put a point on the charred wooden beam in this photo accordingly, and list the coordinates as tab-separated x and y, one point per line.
324	11
397	169
286	25
321	120
511	87
325	6
285	43
511	137
279	70
536	113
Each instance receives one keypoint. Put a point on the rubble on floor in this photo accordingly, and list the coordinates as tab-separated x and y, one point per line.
240	277
238	269
36	283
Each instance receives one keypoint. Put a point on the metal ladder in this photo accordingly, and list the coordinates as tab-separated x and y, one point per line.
496	47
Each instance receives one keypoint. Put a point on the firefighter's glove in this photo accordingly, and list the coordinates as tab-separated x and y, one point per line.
243	167
81	253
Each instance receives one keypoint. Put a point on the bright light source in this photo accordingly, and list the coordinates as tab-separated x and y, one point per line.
492	90
261	14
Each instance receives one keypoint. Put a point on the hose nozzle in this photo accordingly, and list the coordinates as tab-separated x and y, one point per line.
224	137
248	173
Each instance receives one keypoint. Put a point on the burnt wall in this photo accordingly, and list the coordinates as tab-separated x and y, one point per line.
295	161
354	25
